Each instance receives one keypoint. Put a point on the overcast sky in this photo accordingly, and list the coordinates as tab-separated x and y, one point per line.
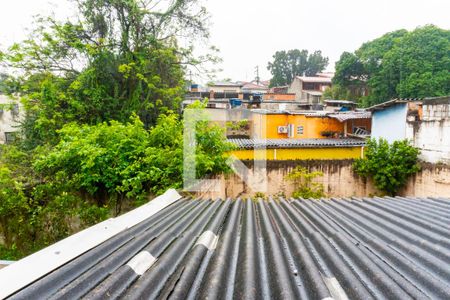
248	32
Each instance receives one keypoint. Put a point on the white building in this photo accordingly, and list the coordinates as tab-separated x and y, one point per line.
11	113
426	123
432	133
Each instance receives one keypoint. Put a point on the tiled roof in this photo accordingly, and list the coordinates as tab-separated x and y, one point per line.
225	83
326	74
315	79
253	86
295	143
380	248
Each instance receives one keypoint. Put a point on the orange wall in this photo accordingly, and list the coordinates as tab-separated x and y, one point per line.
279	97
312	126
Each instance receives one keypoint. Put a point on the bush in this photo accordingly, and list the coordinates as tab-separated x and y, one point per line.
388	165
92	173
305	187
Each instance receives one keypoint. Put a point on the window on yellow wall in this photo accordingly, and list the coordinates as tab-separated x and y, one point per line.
299	129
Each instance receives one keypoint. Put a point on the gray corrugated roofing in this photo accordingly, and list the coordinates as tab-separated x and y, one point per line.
384	248
351	115
392	102
295	143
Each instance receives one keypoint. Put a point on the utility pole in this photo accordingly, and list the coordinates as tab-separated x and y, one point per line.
257	75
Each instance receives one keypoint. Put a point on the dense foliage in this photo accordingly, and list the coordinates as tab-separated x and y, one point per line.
288	64
398	64
118	58
305	187
389	165
92	173
102	131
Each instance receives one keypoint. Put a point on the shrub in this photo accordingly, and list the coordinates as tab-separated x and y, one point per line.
388	165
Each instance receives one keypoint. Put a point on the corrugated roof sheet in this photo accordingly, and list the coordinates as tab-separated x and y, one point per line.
351	115
295	143
392	102
383	248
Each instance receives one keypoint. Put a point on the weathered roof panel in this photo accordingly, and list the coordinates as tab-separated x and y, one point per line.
392	102
367	248
296	143
351	115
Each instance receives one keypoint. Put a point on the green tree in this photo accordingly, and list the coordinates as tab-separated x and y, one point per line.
93	172
288	64
399	64
118	58
102	129
389	165
14	211
111	162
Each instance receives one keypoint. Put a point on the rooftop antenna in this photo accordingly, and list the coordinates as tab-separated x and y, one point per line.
257	75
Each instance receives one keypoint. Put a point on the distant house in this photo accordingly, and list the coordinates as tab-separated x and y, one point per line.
309	89
279	89
308	124
11	112
425	122
254	87
225	87
389	118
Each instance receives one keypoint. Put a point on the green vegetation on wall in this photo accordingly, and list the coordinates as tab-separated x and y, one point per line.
305	187
388	165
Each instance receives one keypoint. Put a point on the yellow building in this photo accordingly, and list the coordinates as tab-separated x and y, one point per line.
308	125
290	149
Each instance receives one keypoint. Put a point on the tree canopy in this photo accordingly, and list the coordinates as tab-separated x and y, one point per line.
288	64
402	64
118	58
102	131
389	165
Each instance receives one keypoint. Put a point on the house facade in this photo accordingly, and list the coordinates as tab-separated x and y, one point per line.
430	130
225	87
425	122
308	125
11	113
309	89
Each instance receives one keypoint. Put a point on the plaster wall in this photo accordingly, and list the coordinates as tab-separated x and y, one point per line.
432	133
390	123
9	121
339	180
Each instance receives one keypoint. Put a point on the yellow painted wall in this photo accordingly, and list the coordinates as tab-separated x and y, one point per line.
299	153
266	126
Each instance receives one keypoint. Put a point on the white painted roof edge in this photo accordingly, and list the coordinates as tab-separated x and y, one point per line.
27	270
